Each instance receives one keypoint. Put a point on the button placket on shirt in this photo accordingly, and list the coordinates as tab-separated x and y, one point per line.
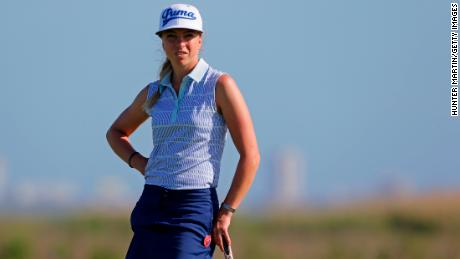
178	99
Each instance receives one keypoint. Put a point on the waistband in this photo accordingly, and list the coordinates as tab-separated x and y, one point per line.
157	188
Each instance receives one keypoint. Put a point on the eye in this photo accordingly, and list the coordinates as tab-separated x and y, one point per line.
189	35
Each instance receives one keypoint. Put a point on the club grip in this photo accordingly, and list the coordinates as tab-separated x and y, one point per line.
228	254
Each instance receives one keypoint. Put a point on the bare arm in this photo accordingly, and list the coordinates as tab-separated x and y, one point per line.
126	123
236	115
231	104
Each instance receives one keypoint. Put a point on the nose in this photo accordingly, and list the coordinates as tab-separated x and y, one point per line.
180	40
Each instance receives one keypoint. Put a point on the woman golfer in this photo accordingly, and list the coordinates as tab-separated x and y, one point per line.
191	105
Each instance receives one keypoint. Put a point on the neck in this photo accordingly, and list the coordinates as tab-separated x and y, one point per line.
180	71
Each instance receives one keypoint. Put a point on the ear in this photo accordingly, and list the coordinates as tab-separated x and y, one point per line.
200	41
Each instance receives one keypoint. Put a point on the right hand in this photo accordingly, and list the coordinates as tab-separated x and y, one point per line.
139	162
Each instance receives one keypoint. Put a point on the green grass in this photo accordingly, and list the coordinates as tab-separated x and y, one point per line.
409	231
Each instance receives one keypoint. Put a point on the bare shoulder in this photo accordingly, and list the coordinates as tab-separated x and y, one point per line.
226	85
133	115
224	78
141	96
226	88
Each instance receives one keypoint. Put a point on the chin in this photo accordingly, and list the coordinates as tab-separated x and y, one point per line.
183	61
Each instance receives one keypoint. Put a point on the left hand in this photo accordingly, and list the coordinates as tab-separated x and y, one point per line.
220	229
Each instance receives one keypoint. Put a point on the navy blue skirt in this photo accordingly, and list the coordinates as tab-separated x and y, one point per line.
173	223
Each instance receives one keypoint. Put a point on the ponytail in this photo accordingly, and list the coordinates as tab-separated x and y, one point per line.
150	102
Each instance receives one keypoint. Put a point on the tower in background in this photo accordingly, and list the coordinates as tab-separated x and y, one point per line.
289	176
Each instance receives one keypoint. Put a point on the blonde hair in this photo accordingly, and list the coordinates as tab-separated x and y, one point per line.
150	102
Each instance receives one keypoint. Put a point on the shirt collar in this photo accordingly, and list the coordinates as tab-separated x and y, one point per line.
199	70
196	75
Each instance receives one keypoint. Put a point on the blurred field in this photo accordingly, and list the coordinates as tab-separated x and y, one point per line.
422	227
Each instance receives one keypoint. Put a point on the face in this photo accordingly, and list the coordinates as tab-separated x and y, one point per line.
181	46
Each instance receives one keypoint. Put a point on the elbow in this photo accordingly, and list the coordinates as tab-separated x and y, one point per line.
253	158
257	160
109	135
114	134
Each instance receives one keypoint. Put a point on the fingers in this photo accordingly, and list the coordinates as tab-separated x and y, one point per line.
222	239
220	231
218	239
226	238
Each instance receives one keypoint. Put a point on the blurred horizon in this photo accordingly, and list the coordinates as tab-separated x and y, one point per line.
287	182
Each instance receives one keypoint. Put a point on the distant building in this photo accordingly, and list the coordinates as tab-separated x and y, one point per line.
289	175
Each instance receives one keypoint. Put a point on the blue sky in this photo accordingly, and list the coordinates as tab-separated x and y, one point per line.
359	88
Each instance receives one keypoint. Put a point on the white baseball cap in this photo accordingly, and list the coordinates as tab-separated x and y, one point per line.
183	16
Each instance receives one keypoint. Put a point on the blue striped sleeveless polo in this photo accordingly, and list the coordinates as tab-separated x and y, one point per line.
187	131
